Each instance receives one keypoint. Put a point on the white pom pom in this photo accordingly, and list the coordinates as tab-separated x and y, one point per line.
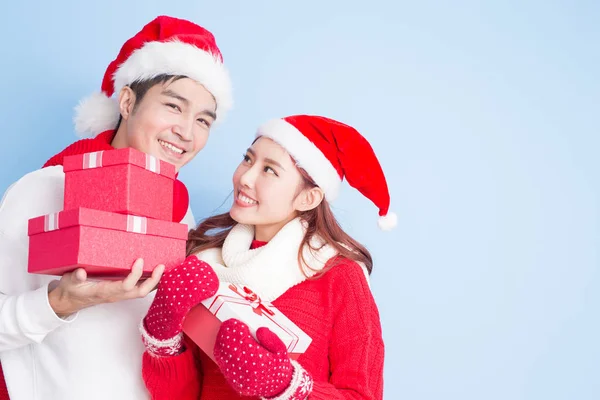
388	222
95	114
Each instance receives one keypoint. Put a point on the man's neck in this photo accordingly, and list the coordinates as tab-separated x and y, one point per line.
119	141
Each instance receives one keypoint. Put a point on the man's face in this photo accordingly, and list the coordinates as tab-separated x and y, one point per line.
171	122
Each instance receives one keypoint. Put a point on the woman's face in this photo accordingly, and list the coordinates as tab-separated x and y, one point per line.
266	188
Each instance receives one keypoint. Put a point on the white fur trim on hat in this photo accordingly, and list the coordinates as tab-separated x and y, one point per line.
306	154
388	222
178	58
95	115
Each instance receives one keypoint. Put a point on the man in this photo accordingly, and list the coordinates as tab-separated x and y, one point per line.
75	338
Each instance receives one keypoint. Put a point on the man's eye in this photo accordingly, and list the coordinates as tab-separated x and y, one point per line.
204	122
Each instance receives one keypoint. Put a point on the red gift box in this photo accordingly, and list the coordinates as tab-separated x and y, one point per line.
124	181
105	244
233	301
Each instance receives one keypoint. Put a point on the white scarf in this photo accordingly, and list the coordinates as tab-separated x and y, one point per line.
272	269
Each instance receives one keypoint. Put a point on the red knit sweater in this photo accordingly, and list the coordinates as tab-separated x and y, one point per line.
345	357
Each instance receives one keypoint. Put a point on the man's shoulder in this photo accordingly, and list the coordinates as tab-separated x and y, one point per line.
38	193
51	172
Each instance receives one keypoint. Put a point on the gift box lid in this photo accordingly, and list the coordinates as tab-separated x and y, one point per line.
107	220
118	157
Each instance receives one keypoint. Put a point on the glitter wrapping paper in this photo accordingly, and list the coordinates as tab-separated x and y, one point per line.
124	181
105	244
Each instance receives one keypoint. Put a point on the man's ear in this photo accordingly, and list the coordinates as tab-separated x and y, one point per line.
309	199
126	101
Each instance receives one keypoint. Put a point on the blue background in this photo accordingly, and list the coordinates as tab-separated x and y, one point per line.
485	119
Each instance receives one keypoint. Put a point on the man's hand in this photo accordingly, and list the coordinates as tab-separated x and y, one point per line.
75	292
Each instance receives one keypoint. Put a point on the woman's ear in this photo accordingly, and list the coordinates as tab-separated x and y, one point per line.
126	101
309	199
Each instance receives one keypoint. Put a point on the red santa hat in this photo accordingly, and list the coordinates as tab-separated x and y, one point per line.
330	151
168	46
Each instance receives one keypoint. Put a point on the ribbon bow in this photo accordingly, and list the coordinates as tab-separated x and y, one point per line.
255	302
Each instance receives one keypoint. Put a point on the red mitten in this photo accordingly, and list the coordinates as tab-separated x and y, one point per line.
259	367
178	292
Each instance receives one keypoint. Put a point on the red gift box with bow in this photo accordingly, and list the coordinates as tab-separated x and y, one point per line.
202	324
105	244
124	181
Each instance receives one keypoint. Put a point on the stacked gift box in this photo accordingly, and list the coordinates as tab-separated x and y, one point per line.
118	206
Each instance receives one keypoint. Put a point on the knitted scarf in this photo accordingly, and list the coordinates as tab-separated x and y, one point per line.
269	270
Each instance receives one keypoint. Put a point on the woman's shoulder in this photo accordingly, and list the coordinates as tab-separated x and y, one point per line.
344	272
349	291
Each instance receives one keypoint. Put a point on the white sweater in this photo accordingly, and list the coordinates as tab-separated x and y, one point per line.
95	354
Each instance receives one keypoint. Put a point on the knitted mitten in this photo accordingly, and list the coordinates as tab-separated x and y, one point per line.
259	367
178	292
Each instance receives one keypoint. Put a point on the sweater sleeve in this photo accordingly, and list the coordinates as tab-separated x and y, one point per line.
172	378
356	350
25	313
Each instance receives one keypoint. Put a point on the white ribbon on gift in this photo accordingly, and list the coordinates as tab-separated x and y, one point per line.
50	222
137	224
92	160
152	164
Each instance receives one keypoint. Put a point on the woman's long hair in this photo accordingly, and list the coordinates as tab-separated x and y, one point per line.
320	221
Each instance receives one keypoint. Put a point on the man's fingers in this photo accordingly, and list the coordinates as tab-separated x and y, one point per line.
134	276
79	275
149	284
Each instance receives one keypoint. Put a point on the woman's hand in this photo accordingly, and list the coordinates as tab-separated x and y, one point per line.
178	292
259	367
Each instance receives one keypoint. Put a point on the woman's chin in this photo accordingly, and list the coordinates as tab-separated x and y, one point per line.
238	216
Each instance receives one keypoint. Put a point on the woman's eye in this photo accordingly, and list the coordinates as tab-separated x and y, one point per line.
270	170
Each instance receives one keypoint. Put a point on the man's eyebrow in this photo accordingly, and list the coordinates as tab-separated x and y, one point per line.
170	93
175	95
210	113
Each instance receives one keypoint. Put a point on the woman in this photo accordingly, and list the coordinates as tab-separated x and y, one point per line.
281	240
